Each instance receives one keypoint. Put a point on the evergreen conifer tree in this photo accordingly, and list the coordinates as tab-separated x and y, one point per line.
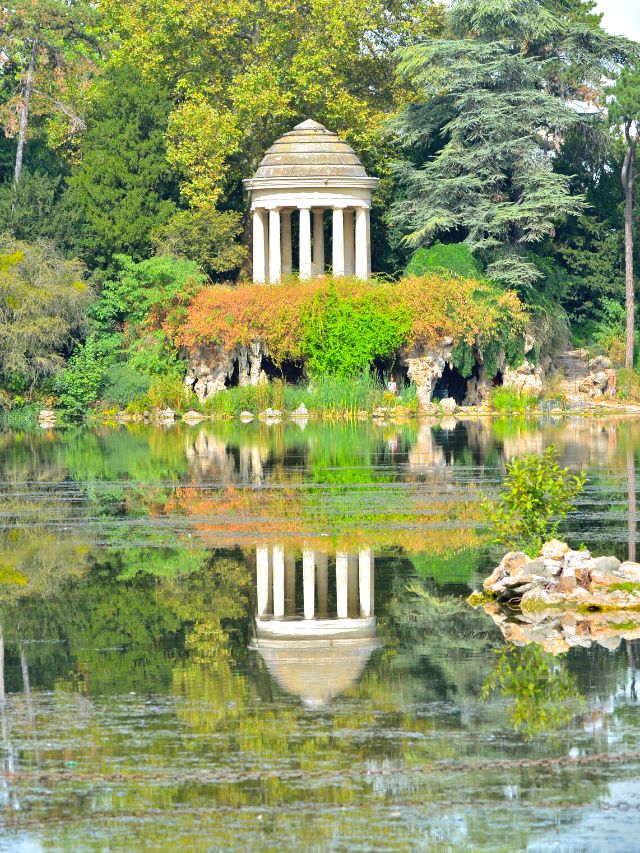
499	93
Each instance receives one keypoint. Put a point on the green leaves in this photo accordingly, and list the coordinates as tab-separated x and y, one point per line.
345	334
537	495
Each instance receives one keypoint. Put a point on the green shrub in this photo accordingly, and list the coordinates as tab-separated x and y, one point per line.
344	334
79	384
536	496
21	417
628	384
122	384
453	258
168	392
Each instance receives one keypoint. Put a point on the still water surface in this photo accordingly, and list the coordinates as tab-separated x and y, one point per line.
256	638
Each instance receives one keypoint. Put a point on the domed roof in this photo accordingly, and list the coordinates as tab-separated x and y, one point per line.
310	151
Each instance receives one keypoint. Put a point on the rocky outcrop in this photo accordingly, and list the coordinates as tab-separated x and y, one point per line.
601	380
425	366
560	577
47	418
526	379
211	368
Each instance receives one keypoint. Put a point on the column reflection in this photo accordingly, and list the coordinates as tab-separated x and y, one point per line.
315	638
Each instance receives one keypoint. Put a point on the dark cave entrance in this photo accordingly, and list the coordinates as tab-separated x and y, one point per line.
384	369
233	380
451	384
290	372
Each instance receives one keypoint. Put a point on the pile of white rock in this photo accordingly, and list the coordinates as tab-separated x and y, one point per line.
559	576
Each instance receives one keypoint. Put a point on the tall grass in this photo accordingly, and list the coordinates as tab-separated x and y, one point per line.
510	401
323	395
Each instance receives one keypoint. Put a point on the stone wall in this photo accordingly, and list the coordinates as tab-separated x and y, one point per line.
210	368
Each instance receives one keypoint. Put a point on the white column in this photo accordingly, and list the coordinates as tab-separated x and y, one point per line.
368	242
318	242
305	243
275	258
342	585
352	586
365	570
338	241
287	256
262	579
322	577
259	246
278	581
349	254
290	584
308	583
362	261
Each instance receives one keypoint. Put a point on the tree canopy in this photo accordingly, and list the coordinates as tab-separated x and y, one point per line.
498	94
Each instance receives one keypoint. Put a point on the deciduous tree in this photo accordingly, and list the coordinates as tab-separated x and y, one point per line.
49	48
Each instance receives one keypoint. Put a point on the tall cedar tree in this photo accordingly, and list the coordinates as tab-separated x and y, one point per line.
624	113
499	93
123	184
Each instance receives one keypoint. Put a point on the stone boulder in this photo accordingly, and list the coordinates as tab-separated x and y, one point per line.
47	418
448	406
300	412
528	378
560	577
192	417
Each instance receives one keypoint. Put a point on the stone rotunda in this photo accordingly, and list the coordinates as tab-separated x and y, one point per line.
308	171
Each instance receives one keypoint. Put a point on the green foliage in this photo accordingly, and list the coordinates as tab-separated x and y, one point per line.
624	105
536	496
162	285
43	305
514	350
205	235
122	384
463	358
123	185
80	382
30	210
343	335
609	331
453	258
21	417
510	401
153	355
490	355
628	384
168	392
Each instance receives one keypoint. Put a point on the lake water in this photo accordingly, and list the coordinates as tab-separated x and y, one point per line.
233	637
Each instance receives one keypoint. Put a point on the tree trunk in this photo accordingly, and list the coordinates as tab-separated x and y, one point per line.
632	522
628	168
24	113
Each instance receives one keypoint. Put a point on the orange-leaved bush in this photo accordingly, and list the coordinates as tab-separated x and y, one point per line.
295	320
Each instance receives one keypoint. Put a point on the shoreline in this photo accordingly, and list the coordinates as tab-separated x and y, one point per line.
382	416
